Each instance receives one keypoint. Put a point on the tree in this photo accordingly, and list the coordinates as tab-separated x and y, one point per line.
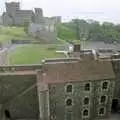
91	30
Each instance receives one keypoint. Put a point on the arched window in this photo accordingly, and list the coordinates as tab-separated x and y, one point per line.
105	85
69	102
86	101
85	112
69	88
87	87
103	99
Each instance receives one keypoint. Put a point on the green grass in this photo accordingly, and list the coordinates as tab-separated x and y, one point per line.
76	41
66	33
4	38
8	33
33	54
13	31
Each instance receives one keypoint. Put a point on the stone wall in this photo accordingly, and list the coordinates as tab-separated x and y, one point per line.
116	68
12	7
44	31
58	97
6	20
47	37
10	68
109	95
19	96
25	42
4	56
23	16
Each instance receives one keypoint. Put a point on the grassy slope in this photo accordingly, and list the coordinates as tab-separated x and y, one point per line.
66	33
29	54
33	54
8	33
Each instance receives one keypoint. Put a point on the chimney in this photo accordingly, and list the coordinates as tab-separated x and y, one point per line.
76	47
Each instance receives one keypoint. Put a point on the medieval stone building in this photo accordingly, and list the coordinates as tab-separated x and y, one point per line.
45	31
75	88
14	15
39	26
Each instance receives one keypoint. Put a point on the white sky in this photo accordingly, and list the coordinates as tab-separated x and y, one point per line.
101	10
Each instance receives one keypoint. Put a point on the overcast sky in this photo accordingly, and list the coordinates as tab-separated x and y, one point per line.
101	10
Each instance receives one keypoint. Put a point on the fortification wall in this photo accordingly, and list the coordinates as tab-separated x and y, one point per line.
10	68
19	96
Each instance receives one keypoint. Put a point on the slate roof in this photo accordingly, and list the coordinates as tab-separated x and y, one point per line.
77	71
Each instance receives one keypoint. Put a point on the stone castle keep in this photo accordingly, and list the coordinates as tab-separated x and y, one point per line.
75	88
39	26
14	15
83	86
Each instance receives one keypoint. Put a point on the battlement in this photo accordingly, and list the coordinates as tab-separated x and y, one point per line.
20	68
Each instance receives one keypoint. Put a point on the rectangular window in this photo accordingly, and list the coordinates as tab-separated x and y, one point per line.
105	85
103	99
87	87
86	101
69	88
101	111
85	113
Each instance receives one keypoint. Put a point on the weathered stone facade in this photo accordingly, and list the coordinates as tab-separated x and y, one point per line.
67	89
18	92
15	16
45	31
59	96
57	76
43	28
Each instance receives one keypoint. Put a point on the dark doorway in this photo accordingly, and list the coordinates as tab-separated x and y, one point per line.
115	105
7	114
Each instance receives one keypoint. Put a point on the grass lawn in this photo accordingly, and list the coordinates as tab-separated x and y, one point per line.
66	33
33	54
13	31
8	33
5	38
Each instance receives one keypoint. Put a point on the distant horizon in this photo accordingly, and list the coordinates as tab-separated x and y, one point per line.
101	11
